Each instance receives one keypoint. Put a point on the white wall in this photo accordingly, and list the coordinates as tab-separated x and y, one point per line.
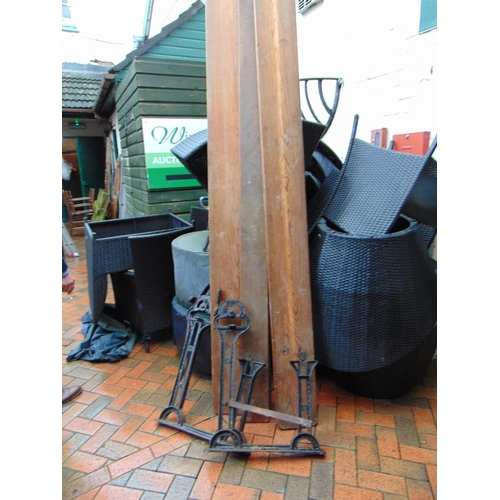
389	70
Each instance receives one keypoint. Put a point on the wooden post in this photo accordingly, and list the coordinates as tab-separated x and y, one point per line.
253	282
258	227
237	227
285	203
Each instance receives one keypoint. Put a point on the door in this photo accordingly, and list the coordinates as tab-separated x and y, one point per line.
92	162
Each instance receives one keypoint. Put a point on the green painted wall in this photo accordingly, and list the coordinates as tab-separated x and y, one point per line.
169	80
154	87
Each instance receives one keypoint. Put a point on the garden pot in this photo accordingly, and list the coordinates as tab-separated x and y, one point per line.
374	304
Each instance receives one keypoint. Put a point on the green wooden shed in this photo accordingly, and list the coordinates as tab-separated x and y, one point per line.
159	95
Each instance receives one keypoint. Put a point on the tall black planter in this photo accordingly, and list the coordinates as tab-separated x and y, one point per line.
374	307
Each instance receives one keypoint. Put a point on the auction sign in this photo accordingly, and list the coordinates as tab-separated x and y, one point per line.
163	168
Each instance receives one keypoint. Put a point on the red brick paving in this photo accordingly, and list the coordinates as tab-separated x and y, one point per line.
113	448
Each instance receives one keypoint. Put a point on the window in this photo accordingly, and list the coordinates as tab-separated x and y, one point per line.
428	15
67	24
303	5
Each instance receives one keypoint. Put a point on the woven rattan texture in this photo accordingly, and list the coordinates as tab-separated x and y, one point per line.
422	201
321	199
192	153
374	298
108	250
144	297
312	133
199	218
373	188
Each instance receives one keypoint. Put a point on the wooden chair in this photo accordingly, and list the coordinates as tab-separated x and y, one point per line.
78	209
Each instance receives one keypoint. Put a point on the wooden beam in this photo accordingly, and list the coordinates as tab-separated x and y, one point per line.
236	217
253	235
223	161
258	227
284	200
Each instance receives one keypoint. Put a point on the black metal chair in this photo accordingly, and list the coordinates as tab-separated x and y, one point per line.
143	295
314	105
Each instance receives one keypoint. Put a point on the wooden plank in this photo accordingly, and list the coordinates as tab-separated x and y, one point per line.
174	41
253	282
285	204
116	188
168	51
167	196
170	67
237	238
190	33
162	109
145	80
171	95
223	162
124	83
305	422
146	65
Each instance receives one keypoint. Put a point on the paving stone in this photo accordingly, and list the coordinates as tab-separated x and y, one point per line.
203	404
180	465
268	481
75	442
115	450
406	431
321	481
366	454
415	401
403	468
193	394
122	480
336	439
233	469
197	450
83	373
153	465
150	481
297	488
180	488
67	474
151	495
97	379
96	407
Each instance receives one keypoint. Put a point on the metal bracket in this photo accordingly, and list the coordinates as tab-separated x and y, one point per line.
198	319
231	321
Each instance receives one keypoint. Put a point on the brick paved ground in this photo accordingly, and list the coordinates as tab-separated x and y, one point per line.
112	448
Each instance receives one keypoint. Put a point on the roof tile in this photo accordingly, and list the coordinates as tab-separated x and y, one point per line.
80	89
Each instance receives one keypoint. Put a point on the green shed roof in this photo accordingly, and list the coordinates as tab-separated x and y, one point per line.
183	40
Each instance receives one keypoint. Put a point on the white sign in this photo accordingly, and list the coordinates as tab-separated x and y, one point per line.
160	135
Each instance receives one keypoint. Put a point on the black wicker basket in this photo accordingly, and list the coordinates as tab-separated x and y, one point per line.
374	299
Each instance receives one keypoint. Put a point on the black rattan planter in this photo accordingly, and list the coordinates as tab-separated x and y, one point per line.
374	307
394	380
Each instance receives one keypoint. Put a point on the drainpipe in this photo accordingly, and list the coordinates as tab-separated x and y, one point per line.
147	19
